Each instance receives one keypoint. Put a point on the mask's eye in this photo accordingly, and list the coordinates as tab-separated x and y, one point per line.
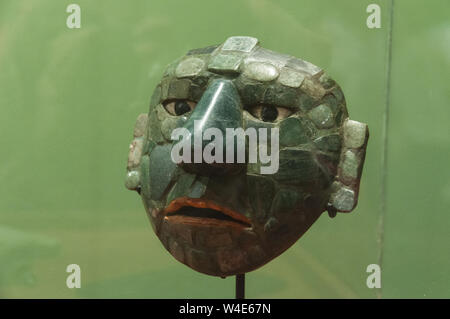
269	113
179	107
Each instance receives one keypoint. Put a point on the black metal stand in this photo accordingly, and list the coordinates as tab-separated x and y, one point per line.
240	286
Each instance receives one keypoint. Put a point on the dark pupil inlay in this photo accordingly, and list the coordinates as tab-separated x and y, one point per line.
269	113
181	107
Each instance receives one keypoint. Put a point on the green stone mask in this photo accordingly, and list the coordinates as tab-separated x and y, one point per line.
224	219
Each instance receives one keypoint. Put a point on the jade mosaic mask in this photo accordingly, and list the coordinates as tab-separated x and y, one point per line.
229	218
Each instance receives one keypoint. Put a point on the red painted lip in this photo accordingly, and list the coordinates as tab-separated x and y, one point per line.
238	220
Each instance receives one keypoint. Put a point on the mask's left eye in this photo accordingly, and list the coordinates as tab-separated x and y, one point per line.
179	107
270	113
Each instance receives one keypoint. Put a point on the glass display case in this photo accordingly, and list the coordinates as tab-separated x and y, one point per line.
70	91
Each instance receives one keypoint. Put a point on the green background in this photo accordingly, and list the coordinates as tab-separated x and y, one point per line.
69	99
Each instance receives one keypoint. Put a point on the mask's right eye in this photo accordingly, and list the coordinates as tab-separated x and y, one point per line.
179	107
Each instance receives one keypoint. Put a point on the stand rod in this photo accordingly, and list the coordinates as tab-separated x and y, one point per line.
240	286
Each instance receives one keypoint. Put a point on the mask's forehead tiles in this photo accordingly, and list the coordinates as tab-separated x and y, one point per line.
283	80
280	61
262	55
287	70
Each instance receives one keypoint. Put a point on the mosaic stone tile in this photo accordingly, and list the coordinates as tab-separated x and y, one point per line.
322	116
225	63
189	67
243	44
355	134
263	72
290	77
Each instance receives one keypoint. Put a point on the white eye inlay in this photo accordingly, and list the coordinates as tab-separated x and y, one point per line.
179	107
269	113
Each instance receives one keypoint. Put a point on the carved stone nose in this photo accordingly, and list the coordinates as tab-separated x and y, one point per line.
219	108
